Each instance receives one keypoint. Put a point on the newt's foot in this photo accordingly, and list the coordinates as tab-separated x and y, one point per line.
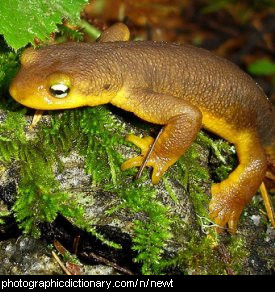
225	207
159	165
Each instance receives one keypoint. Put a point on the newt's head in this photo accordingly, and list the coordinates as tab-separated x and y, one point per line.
60	77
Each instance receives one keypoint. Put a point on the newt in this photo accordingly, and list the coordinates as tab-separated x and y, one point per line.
182	87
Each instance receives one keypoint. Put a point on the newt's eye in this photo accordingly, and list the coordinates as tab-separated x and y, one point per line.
59	90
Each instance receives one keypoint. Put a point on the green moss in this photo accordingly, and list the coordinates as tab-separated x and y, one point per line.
151	235
200	258
12	138
28	209
3	215
197	174
39	196
238	252
103	135
169	189
103	160
8	67
71	258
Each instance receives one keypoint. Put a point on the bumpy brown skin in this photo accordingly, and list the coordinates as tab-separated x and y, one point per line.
179	86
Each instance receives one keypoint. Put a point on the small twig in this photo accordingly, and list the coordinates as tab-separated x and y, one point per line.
60	263
106	262
60	248
141	168
73	268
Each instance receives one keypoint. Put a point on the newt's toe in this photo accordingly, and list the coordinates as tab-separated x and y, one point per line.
234	219
158	170
132	162
143	143
159	165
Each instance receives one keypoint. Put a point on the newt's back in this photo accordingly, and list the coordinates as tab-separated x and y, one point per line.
214	84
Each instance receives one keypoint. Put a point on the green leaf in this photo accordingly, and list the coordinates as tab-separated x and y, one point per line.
262	67
22	21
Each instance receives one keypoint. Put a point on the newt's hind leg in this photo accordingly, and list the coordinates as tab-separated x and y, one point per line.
231	195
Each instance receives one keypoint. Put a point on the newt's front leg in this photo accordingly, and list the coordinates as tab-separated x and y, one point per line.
182	122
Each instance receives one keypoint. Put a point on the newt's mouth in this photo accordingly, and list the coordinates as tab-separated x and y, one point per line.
22	96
